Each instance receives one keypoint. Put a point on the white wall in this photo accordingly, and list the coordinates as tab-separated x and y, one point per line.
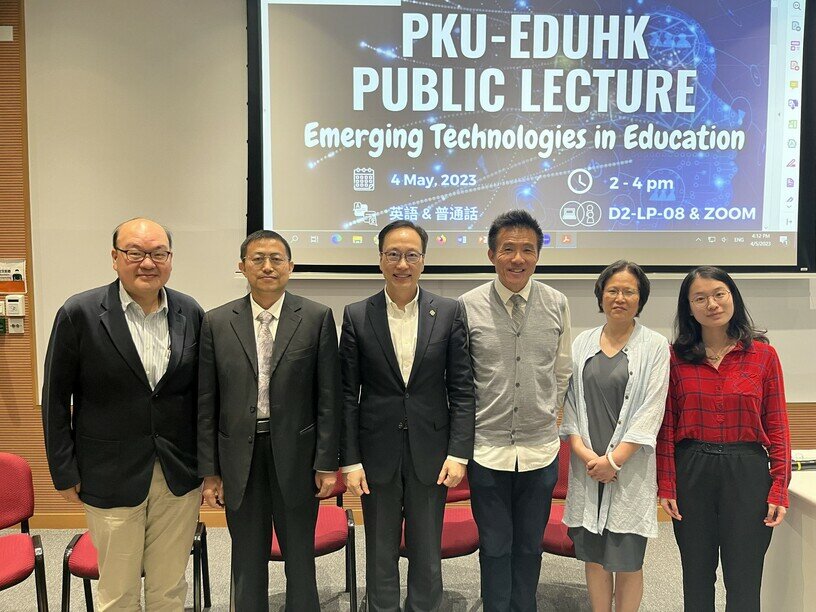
139	108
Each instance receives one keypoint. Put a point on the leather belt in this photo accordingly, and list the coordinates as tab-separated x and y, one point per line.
262	426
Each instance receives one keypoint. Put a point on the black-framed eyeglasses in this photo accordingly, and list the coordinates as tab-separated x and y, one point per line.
411	257
258	260
137	255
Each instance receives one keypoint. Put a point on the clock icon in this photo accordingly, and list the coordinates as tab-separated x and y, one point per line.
579	181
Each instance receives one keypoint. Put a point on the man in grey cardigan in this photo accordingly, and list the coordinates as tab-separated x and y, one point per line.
519	332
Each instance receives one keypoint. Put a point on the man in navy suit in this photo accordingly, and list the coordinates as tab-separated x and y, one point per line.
408	419
127	355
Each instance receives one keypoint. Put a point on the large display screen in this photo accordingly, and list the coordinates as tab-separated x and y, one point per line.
669	133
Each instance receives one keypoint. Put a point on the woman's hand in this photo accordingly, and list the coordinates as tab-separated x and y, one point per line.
599	469
670	507
775	516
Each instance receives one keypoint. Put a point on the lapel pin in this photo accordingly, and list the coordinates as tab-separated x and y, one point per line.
433	312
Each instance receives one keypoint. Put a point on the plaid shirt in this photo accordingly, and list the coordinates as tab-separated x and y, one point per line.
743	401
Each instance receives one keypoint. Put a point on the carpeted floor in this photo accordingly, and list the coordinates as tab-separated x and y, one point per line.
561	587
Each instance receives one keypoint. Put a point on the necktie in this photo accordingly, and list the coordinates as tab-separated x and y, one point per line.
264	363
517	313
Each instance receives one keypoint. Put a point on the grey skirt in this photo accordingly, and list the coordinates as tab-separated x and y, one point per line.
616	552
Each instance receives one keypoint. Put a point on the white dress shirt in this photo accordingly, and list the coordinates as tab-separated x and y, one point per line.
150	334
526	458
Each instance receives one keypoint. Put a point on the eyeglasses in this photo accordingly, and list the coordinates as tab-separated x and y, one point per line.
137	255
411	257
701	301
626	293
258	260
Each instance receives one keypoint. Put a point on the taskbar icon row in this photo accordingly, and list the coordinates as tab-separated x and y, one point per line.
556	239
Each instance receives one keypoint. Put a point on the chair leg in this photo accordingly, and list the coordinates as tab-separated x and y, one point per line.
66	587
205	567
66	574
348	560
86	583
197	573
351	563
39	575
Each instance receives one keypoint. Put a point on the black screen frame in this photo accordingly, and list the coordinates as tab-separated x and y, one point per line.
806	243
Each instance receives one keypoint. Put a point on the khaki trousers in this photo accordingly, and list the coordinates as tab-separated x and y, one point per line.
154	537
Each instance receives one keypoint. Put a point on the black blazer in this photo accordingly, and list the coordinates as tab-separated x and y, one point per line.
304	388
119	425
438	400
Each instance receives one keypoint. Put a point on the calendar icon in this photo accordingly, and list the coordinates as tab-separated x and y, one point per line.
363	179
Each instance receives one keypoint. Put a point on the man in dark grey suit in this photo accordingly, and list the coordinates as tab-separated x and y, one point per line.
126	356
269	422
408	419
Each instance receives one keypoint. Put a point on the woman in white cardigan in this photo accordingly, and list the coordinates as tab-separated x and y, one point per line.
613	411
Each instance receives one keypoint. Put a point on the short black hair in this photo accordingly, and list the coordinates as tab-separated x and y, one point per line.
118	227
513	218
265	235
423	235
644	286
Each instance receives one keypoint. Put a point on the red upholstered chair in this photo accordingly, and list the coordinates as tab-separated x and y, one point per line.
333	531
460	537
80	560
555	540
20	553
460	492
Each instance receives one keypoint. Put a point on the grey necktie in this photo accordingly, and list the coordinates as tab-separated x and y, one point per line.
517	313
264	363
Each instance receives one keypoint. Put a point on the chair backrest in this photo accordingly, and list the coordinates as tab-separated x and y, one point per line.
339	489
560	491
16	492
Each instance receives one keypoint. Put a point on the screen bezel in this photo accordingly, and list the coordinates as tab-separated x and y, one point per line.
806	233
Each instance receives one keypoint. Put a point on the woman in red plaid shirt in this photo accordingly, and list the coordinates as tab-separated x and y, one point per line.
723	452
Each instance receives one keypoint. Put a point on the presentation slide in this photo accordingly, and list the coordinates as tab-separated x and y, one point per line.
663	132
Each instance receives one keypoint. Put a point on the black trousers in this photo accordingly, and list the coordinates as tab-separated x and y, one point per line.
511	511
250	527
722	492
423	508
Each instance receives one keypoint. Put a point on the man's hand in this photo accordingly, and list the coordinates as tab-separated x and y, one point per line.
670	507
451	474
599	469
213	491
71	495
325	482
356	482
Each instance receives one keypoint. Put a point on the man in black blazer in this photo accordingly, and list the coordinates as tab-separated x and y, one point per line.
127	355
408	419
269	422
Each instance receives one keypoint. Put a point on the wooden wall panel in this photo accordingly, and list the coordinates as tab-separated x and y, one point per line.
20	425
802	421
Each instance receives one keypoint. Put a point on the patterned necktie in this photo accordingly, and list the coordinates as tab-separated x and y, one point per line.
264	363
517	313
